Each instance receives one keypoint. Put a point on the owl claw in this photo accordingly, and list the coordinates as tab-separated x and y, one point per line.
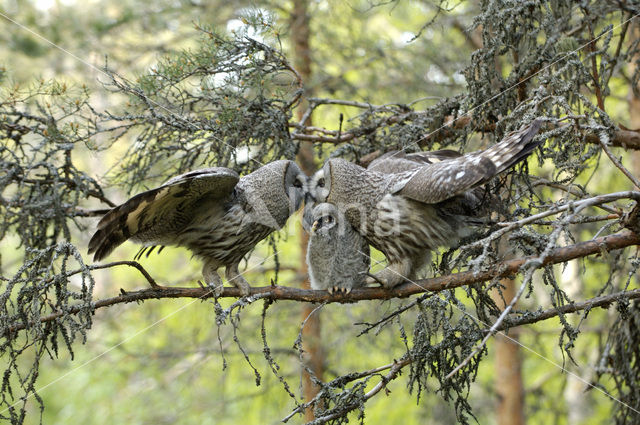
215	288
374	279
242	285
338	290
217	291
237	280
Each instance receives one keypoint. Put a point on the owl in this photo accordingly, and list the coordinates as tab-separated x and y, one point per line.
213	212
337	255
407	205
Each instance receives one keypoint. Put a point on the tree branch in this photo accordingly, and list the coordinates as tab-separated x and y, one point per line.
603	301
625	138
436	284
602	140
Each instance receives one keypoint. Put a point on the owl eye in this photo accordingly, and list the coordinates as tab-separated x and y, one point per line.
297	183
321	182
329	219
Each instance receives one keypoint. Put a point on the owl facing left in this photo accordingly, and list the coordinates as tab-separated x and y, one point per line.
213	212
409	205
337	255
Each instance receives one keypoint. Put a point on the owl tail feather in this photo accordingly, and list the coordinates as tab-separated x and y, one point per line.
112	231
120	223
106	240
515	147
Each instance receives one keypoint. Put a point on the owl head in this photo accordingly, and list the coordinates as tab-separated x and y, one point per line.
326	219
320	183
274	192
295	185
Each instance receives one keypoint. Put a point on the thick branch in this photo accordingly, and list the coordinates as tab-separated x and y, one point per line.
628	139
436	284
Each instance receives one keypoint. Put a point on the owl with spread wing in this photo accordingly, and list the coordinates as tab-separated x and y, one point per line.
213	212
407	205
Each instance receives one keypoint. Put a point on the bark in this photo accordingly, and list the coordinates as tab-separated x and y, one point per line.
575	392
634	101
508	381
508	365
311	333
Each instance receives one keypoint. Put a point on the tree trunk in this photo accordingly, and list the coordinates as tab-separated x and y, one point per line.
634	100
575	395
312	331
508	363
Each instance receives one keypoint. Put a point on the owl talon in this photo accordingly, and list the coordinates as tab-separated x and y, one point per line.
240	283
338	290
237	280
374	279
215	288
217	291
244	287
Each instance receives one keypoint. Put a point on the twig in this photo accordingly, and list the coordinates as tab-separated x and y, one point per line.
603	139
578	205
393	374
339	382
133	264
538	181
594	63
345	137
320	101
495	326
394	314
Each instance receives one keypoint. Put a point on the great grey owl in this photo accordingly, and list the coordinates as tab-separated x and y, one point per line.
337	255
406	205
212	212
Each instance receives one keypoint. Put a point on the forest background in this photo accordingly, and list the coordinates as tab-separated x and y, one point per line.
102	99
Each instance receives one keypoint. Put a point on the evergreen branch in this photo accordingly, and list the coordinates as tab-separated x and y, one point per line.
436	284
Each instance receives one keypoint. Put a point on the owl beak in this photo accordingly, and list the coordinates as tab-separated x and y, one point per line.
315	226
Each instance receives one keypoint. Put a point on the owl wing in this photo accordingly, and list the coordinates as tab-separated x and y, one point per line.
436	182
399	161
157	215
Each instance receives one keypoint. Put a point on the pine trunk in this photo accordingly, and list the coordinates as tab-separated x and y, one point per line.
314	356
508	363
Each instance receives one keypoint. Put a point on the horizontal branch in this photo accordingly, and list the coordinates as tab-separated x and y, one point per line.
601	301
436	284
628	139
345	137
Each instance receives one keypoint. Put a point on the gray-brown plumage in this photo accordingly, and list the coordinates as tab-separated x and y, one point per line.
212	212
406	205
337	255
398	161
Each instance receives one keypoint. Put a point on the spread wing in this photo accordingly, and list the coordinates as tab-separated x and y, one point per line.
398	161
157	215
439	181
